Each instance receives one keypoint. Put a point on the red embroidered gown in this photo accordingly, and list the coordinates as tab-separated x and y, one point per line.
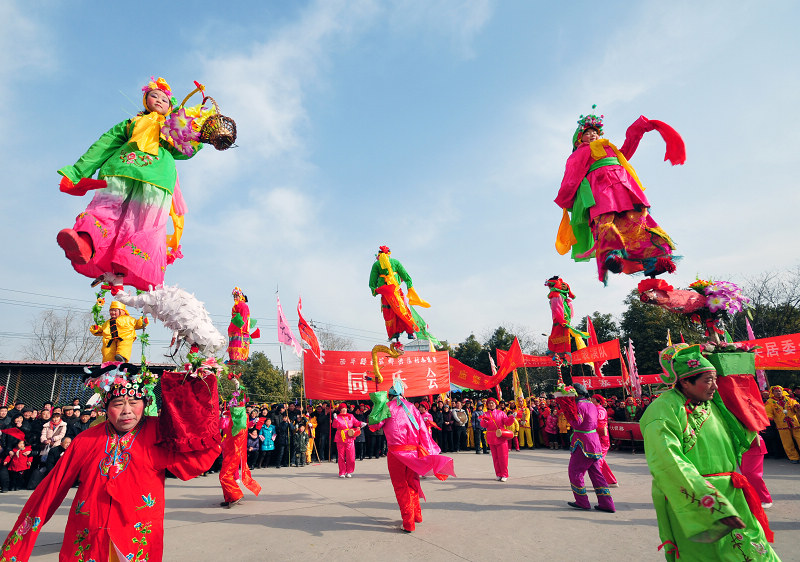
120	500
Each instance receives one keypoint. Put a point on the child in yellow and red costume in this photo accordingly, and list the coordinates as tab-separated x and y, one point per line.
384	279
118	333
606	213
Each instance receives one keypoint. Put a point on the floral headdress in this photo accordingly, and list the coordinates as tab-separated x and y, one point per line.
159	84
590	121
238	294
119	380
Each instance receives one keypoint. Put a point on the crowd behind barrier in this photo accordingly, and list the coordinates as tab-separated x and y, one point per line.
283	435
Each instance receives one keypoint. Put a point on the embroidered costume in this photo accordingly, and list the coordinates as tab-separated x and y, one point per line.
118	510
692	452
606	213
586	453
412	451
605	439
784	412
240	328
118	334
137	192
384	279
234	457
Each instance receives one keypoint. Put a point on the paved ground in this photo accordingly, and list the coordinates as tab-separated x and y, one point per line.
310	514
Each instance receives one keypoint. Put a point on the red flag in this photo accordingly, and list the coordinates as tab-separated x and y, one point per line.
512	360
308	335
593	341
626	379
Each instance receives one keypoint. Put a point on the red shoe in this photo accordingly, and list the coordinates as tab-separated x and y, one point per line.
77	249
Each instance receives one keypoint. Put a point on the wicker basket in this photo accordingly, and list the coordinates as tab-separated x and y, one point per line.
218	130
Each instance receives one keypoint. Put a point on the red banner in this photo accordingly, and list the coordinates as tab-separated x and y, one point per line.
779	352
467	377
346	375
599	383
603	352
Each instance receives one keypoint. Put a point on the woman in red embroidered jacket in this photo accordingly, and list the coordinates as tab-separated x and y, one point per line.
118	510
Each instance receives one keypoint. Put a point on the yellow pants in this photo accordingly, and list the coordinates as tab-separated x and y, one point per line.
309	449
788	445
525	432
470	438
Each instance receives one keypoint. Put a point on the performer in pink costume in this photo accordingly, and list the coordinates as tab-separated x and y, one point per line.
495	421
586	452
412	451
347	427
752	466
605	440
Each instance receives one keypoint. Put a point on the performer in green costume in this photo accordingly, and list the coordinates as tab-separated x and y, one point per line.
706	510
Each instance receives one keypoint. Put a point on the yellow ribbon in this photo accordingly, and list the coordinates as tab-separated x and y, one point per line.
147	132
598	152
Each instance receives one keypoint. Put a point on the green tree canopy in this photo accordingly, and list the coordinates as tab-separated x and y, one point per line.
647	326
263	381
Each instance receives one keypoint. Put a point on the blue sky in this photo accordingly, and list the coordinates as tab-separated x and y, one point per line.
437	128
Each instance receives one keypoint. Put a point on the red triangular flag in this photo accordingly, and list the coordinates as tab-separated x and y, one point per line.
307	334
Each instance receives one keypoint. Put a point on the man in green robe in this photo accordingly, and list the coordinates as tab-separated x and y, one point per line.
693	445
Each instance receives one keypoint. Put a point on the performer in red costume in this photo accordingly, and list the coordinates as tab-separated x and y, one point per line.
347	428
605	439
495	421
234	457
412	451
118	510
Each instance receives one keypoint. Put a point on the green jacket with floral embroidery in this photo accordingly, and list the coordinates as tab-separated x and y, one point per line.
686	446
114	155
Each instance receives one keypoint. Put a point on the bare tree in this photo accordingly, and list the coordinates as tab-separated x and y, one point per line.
62	337
331	341
775	303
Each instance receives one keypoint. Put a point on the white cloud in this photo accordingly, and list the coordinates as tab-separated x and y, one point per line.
460	20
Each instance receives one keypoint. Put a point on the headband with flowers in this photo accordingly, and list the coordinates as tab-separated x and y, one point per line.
157	84
585	122
119	380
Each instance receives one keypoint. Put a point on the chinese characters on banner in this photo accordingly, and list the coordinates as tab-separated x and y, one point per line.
779	352
599	383
346	375
595	353
467	377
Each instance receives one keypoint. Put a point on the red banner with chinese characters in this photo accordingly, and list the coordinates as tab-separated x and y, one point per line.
779	352
599	383
467	377
348	375
603	352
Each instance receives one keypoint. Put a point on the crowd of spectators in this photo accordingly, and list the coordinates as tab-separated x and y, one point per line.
293	435
32	440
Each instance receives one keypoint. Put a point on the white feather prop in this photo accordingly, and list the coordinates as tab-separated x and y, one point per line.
181	312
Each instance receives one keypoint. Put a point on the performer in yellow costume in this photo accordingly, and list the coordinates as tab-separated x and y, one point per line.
118	333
